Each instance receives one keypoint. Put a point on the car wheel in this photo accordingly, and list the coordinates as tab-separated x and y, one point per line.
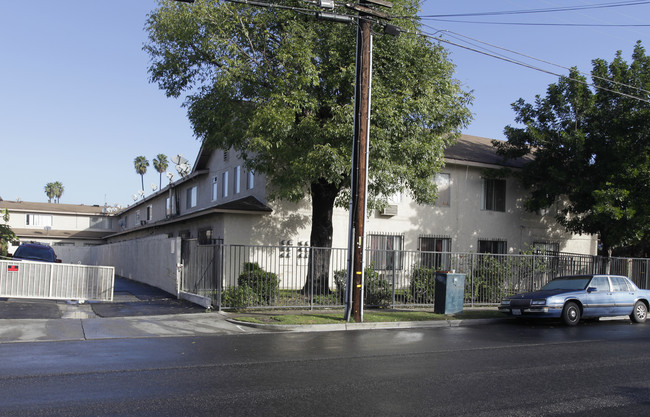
571	314
640	312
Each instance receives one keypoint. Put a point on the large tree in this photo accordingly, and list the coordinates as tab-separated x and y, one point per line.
591	148
277	86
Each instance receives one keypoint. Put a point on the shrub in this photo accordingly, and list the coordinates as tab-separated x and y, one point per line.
264	284
239	297
377	290
423	285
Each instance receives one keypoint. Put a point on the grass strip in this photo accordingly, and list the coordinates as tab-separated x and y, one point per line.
369	316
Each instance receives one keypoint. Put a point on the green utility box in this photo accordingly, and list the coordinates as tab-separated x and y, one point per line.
449	293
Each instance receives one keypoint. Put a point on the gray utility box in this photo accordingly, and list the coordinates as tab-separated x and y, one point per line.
449	291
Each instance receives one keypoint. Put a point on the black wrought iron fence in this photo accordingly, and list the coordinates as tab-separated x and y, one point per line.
236	276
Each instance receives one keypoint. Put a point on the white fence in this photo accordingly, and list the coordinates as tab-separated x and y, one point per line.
24	279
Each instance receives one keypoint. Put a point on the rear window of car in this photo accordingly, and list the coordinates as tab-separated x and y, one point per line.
35	252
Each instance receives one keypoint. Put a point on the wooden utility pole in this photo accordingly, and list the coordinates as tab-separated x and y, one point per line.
360	165
360	146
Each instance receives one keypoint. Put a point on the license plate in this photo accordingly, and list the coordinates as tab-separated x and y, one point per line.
516	312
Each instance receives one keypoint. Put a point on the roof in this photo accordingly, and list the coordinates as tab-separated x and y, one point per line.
480	151
53	207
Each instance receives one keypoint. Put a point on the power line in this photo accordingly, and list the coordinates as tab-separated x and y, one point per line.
544	24
529	66
455	34
546	10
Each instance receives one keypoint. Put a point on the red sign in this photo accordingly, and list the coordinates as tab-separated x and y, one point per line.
12	268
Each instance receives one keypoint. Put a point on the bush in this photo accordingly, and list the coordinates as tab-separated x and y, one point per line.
264	284
377	290
423	285
239	297
340	281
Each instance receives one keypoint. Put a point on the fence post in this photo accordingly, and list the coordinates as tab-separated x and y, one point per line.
311	284
472	279
393	289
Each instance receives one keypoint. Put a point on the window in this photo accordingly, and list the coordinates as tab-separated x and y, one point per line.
443	182
105	223
149	213
39	220
190	200
215	188
495	247
250	180
205	236
137	218
432	256
546	247
224	182
237	180
170	206
494	194
620	284
601	284
386	251
226	157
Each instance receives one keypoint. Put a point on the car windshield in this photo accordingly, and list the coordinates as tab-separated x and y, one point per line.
567	283
35	252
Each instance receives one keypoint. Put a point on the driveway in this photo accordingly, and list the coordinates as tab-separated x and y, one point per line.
130	299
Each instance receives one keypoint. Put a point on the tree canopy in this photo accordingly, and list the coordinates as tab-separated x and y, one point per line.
277	86
591	148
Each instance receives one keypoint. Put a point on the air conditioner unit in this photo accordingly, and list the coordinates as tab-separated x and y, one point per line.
389	210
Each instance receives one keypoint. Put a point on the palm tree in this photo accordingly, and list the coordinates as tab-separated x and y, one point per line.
141	165
49	191
161	164
58	191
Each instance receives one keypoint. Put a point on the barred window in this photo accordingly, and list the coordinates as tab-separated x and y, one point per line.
386	251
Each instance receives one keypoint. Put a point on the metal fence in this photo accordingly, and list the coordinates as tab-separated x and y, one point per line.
305	277
25	279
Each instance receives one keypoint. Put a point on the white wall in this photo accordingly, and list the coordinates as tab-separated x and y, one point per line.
152	260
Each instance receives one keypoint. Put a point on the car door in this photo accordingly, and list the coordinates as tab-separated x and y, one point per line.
599	301
624	296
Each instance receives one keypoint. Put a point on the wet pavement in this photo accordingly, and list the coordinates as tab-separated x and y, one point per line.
130	299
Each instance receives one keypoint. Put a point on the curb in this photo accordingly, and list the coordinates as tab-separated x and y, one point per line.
365	326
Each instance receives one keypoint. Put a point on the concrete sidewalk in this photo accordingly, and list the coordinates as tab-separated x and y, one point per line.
142	311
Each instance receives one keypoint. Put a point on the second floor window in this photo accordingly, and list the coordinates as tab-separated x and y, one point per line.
38	220
224	186
494	194
250	180
237	180
191	198
215	188
443	182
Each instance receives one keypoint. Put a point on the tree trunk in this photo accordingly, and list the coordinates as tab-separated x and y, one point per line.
323	195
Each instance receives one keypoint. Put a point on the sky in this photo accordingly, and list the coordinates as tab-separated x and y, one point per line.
76	104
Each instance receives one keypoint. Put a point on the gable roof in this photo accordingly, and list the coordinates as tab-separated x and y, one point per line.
23	206
477	150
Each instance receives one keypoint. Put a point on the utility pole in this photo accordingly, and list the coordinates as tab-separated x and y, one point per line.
360	146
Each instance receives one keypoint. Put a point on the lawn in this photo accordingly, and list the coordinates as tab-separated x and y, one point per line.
369	316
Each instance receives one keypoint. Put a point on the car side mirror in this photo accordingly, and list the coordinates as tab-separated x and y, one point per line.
592	289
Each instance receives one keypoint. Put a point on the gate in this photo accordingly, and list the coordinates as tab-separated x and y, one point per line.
202	269
26	279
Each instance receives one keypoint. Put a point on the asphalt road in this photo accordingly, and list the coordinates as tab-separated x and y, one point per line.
509	369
